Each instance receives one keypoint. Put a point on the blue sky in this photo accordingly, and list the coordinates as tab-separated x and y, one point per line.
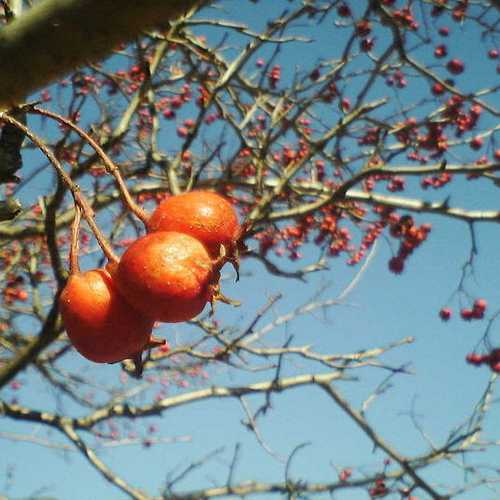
382	308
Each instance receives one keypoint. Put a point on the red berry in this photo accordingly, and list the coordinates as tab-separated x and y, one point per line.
455	66
440	51
345	474
346	104
168	113
476	143
494	356
493	53
480	304
165	348
343	10
445	313
466	314
438	89
474	359
396	265
22	295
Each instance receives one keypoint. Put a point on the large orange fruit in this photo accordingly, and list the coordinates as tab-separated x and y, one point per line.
168	276
206	216
100	324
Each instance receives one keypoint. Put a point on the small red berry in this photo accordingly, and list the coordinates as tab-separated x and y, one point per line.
440	51
493	359
165	348
346	104
493	53
345	474
343	10
476	143
474	359
480	304
466	314
22	295
445	313
438	89
396	265
455	66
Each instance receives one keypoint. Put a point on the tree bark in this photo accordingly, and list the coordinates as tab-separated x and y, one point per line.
56	36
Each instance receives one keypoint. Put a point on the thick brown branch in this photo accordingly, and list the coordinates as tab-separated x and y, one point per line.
55	37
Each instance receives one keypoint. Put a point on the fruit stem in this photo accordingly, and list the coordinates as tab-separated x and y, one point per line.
154	342
80	200
109	166
138	365
74	249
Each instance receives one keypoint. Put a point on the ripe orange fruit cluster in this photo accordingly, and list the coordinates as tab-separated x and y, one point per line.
167	275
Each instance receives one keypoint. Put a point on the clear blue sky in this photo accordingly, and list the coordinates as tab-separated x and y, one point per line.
381	309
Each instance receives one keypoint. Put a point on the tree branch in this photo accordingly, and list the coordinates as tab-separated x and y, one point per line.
56	36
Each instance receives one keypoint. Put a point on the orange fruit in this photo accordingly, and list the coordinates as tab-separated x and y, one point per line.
166	275
204	215
100	324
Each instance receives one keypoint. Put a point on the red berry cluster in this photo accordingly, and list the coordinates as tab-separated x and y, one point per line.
476	312
405	17
373	232
464	121
379	489
371	136
434	140
467	314
395	182
492	359
398	78
436	181
14	290
411	236
325	225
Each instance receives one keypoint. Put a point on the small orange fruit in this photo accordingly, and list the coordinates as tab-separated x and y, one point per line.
204	215
166	275
100	324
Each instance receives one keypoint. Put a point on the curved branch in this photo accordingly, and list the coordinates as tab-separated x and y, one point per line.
94	460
